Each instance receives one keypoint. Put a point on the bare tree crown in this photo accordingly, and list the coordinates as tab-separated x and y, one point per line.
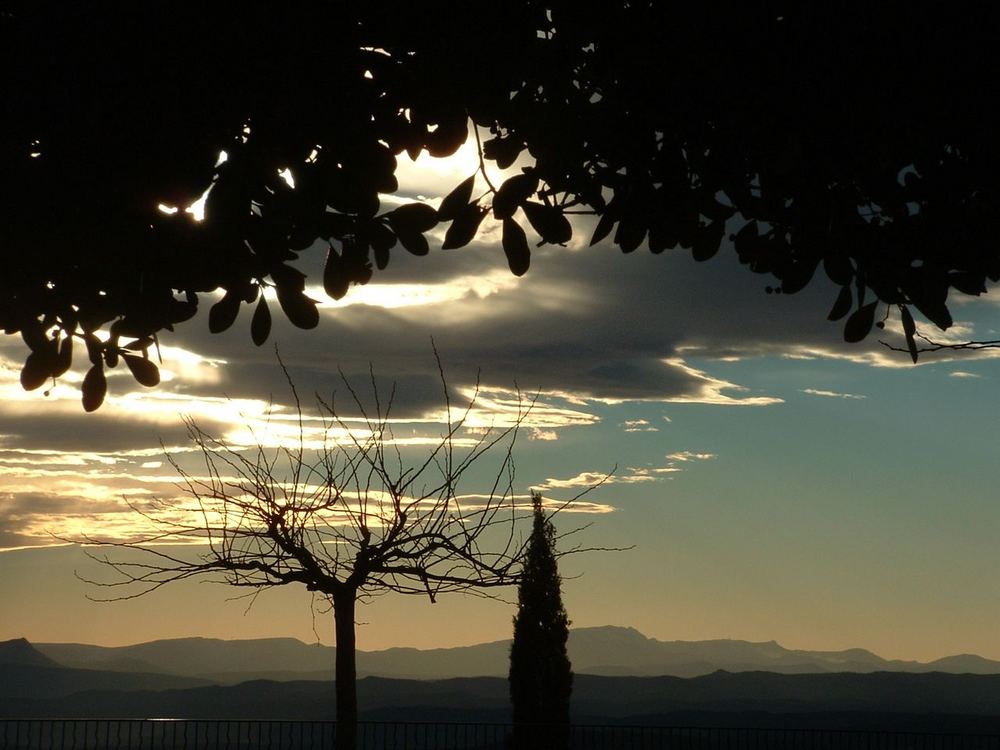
344	512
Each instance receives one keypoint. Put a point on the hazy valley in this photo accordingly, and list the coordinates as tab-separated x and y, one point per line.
621	676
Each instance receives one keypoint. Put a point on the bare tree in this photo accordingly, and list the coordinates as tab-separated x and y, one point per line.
344	515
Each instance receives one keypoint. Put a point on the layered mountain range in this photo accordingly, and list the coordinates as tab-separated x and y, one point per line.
608	651
621	677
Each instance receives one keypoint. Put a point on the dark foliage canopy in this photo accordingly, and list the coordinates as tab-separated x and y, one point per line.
859	139
541	679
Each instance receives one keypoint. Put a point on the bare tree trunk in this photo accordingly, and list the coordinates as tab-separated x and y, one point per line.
346	672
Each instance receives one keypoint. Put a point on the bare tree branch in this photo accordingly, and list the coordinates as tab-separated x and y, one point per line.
348	515
938	346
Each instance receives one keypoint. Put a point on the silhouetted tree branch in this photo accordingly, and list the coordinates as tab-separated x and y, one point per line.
938	346
858	139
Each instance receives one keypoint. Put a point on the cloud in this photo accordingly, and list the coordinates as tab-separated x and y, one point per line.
631	475
587	479
638	425
37	518
832	394
401	295
538	434
645	471
584	328
689	456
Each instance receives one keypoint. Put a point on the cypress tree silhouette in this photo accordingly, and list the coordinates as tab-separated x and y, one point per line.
541	678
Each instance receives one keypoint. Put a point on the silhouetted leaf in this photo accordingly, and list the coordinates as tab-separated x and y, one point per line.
65	357
504	151
839	269
860	323
413	148
936	312
843	304
223	313
304	233
34	336
95	349
513	193
299	308
365	204
746	240
414	243
382	239
288	278
94	388
796	276
260	324
129	327
714	210
463	229
228	201
909	330
661	237
336	225
414	218
145	372
515	247
968	282
707	241
631	232
456	201
381	257
603	228
36	371
336	274
451	133
140	344
549	222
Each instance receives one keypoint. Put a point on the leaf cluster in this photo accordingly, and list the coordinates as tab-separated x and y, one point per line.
857	140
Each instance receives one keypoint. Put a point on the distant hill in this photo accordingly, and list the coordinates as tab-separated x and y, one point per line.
609	651
33	685
195	656
19	651
25	680
27	673
918	702
964	663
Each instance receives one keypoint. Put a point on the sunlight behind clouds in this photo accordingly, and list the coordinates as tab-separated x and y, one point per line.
394	296
437	177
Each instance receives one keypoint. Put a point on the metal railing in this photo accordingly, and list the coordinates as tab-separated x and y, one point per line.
202	734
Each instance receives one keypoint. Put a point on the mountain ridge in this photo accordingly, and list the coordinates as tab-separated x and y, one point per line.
31	686
602	650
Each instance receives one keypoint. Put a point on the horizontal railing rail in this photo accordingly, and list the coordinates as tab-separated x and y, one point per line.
206	734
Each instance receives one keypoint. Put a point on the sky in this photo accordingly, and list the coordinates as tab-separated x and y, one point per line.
767	481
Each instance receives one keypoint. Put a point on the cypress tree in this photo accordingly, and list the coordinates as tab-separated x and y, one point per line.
541	679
